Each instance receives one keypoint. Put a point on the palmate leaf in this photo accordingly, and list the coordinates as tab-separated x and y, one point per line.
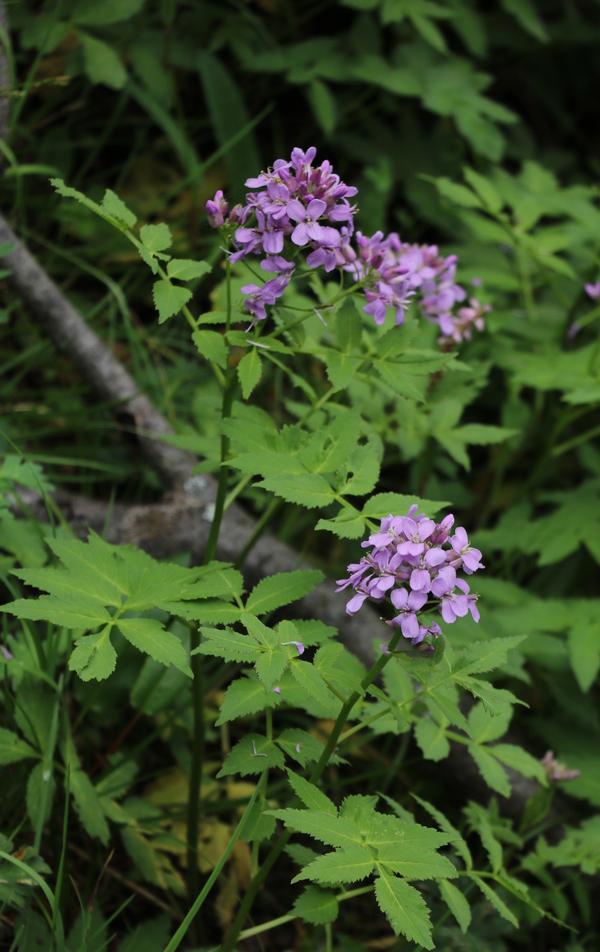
98	587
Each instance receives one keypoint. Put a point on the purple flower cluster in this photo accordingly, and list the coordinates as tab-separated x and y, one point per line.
394	272
415	562
297	206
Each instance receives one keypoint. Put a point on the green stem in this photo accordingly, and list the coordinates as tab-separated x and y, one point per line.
575	441
282	840
283	920
198	730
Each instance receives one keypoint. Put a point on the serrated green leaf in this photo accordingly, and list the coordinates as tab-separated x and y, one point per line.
93	657
339	668
168	298
309	679
300	745
311	796
274	591
498	903
415	862
249	371
458	841
489	768
457	194
156	237
405	909
324	827
431	738
154	931
228	644
88	806
479	820
349	865
185	269
584	651
346	525
520	760
251	755
149	636
270	665
209	612
308	489
49	608
211	345
116	208
457	904
245	696
317	906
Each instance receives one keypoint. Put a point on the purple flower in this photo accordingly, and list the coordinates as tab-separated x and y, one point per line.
276	264
408	604
298	645
263	295
216	210
413	562
307	228
457	605
593	290
556	770
471	558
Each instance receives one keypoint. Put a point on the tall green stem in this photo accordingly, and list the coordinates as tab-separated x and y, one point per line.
282	840
198	727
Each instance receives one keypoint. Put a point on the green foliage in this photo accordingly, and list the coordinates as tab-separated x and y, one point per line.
102	588
451	119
